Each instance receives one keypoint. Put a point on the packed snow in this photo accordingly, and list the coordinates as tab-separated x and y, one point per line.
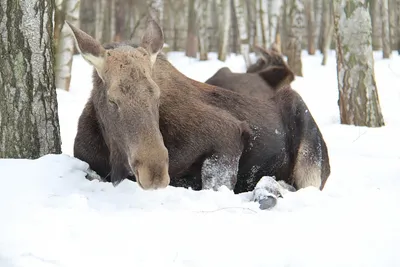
52	216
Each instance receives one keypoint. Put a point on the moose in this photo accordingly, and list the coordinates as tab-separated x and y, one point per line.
148	122
262	78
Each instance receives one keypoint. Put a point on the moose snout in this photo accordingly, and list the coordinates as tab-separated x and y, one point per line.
152	177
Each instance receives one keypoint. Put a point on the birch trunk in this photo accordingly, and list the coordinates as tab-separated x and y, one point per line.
392	24
157	10
358	94
385	29
113	23
191	40
318	20
310	14
274	7
202	19
65	45
295	35
99	26
29	126
376	24
224	29
328	31
243	35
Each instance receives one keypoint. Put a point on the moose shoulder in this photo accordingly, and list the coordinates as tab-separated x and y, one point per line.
142	107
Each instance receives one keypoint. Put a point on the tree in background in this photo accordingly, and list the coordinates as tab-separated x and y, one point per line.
29	126
64	42
358	94
295	31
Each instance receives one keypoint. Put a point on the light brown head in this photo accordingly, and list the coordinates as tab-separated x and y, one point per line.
126	100
272	67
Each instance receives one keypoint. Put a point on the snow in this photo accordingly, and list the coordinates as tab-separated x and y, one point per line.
52	216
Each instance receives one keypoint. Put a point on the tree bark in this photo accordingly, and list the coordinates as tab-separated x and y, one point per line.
29	126
386	49
191	41
65	45
225	25
358	94
202	19
310	14
243	34
99	26
328	31
274	7
376	24
157	10
392	24
295	35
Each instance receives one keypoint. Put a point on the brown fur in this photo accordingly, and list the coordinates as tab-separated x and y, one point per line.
214	136
262	79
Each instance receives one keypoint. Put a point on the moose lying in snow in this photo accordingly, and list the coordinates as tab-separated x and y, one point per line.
262	79
148	121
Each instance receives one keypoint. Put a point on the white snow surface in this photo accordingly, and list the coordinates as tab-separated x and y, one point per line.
52	216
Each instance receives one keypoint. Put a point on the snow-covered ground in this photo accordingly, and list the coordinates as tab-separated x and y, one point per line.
52	216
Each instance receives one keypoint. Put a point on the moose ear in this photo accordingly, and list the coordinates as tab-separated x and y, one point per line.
153	39
90	49
275	76
266	55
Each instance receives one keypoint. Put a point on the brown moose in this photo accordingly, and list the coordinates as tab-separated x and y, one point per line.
147	121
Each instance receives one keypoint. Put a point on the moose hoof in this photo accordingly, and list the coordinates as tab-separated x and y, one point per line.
267	203
92	175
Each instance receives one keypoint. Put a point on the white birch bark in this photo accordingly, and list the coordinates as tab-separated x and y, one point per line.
225	25
243	35
296	25
99	27
386	49
358	94
274	8
113	22
65	46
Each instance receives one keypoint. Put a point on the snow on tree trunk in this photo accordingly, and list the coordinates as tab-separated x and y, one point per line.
295	32
202	19
99	26
29	126
225	25
358	94
65	45
376	24
244	38
310	14
385	29
274	7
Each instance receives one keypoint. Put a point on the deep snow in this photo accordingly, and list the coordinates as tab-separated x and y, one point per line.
52	216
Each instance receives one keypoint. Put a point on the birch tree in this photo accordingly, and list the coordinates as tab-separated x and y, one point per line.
65	44
358	94
295	28
225	25
310	14
328	29
99	26
202	16
29	126
274	8
386	49
157	10
376	24
243	34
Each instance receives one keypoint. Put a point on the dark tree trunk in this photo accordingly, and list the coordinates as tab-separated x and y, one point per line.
191	41
29	126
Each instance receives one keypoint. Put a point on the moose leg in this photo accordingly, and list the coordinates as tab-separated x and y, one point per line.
89	145
309	154
219	170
